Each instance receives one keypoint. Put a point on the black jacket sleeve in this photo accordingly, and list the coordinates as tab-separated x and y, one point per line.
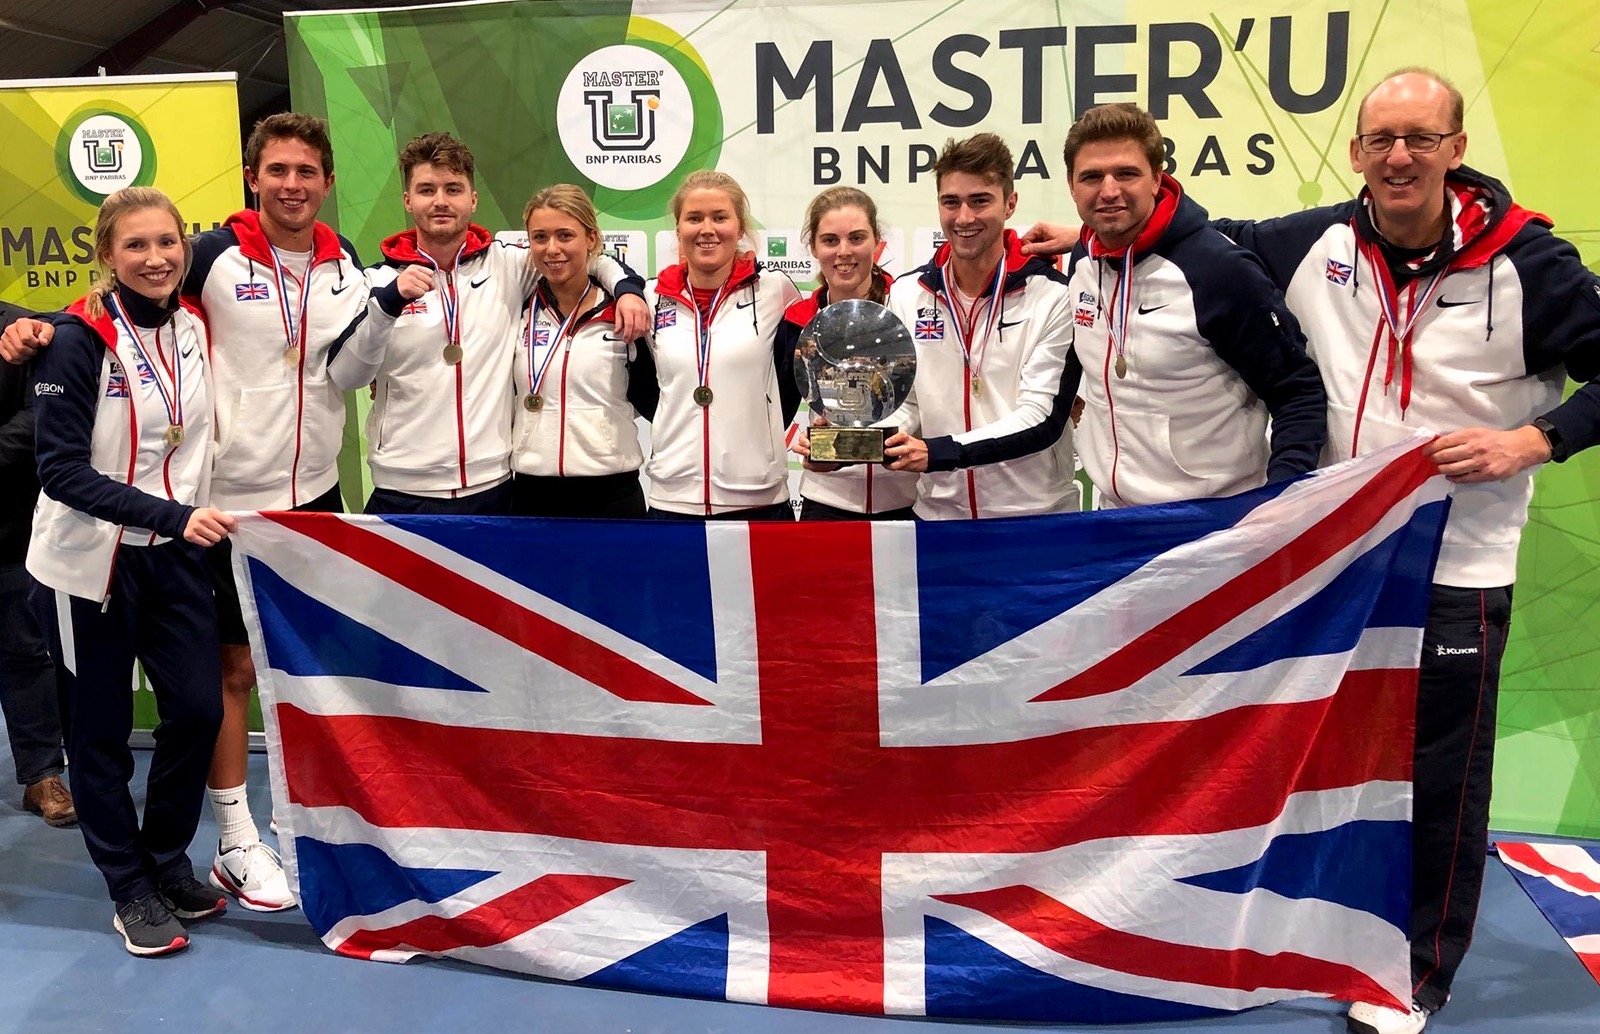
1561	328
66	396
1283	243
644	389
1243	317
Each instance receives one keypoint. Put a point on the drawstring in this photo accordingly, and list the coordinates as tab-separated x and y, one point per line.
755	320
1488	329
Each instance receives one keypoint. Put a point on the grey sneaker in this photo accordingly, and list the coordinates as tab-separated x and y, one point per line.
188	898
149	928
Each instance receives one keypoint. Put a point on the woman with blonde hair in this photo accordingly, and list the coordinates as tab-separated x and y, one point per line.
727	388
574	447
123	423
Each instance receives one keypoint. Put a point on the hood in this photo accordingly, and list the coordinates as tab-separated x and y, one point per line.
1485	220
246	227
674	280
401	248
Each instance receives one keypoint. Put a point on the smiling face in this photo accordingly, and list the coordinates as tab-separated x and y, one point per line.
291	185
709	232
973	214
1115	189
441	202
147	253
560	246
845	245
1407	188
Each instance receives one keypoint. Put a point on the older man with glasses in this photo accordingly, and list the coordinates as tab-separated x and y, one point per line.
1432	301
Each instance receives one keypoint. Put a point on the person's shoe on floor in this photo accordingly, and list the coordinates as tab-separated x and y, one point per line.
148	928
50	799
1379	1019
188	898
253	874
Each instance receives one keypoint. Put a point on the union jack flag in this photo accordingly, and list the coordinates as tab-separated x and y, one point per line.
1564	881
929	330
541	336
1083	316
415	306
666	318
1339	273
117	386
250	292
1127	765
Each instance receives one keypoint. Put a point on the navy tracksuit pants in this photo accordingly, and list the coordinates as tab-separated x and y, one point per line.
162	613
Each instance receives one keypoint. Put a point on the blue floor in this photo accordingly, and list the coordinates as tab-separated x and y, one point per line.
62	969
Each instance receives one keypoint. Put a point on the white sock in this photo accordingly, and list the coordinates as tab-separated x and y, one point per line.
235	827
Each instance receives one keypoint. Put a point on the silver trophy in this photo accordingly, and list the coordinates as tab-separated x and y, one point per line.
854	364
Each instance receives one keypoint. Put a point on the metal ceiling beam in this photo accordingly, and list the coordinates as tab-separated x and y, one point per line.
122	56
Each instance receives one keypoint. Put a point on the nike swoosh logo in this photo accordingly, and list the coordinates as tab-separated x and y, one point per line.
480	283
188	353
1445	303
612	337
746	305
1013	323
1147	310
341	289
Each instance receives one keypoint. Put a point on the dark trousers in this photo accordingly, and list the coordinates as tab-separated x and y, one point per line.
1457	690
219	562
29	691
774	512
811	510
604	495
161	613
491	502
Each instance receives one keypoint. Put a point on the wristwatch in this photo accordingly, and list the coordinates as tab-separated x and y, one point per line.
1552	437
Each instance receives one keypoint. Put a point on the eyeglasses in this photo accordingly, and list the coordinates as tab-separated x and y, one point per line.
1416	143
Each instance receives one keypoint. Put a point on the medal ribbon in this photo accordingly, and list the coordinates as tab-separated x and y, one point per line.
173	401
447	292
294	329
567	331
972	348
702	330
1121	303
1400	333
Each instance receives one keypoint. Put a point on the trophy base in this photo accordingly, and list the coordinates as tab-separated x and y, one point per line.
847	444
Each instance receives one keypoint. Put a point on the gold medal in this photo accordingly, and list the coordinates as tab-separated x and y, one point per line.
452	354
1122	367
174	435
977	386
533	403
702	396
292	357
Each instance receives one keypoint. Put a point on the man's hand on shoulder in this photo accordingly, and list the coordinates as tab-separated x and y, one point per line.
23	339
1479	454
1050	239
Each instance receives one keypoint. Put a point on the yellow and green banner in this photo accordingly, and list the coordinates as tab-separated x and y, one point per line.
69	143
1256	97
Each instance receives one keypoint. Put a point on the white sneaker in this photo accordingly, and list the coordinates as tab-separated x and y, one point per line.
253	874
1380	1019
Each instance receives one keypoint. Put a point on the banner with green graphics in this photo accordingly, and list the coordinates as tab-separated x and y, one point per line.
72	142
1257	101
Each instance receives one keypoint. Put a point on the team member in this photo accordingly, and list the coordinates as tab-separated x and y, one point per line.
28	685
987	416
439	339
1433	301
117	559
727	388
579	383
1187	344
842	231
277	288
